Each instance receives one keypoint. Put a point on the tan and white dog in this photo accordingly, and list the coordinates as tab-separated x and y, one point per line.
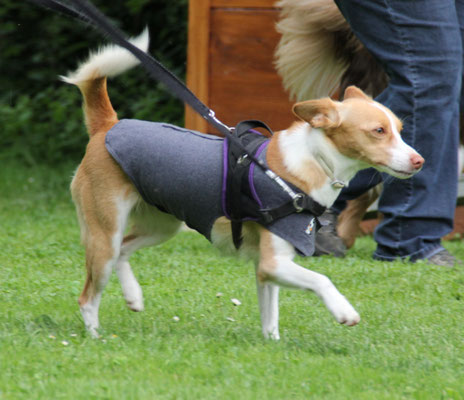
348	136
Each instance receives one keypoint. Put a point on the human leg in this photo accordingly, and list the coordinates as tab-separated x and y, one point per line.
419	46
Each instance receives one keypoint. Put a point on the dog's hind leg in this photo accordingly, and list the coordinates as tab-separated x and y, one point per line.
102	225
130	287
151	227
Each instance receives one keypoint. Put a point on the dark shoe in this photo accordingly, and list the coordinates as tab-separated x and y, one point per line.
327	240
444	259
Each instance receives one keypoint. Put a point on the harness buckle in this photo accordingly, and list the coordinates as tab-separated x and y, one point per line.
298	201
242	159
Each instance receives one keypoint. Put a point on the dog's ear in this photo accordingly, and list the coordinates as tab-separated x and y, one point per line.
321	113
353	92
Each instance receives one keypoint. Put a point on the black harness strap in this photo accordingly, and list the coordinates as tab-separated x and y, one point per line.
304	203
238	166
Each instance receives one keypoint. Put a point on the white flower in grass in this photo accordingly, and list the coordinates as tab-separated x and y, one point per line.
64	342
230	319
176	318
219	294
236	302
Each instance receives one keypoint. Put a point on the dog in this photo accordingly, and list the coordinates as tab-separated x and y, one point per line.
318	55
347	136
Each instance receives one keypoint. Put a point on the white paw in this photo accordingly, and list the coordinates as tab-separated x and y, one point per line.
135	304
90	316
93	332
342	310
347	315
272	334
131	289
133	295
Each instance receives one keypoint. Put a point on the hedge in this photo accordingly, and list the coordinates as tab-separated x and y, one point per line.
40	117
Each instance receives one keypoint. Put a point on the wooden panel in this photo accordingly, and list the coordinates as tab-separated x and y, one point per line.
243	83
198	59
243	3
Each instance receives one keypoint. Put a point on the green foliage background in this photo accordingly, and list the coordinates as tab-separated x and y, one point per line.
40	117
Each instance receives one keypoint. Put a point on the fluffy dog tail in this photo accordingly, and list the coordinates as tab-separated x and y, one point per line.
318	54
306	56
91	76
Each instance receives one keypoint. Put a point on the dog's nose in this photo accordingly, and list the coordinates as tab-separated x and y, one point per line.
417	161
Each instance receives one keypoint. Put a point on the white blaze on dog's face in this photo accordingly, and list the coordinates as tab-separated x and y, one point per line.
363	129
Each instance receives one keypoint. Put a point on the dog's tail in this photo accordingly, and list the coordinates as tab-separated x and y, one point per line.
318	54
91	76
306	55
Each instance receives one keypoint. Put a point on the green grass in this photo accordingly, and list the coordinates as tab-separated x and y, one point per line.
409	344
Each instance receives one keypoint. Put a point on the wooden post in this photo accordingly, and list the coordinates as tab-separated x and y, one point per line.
198	59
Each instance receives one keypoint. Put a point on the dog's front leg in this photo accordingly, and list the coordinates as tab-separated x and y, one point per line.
268	299
276	265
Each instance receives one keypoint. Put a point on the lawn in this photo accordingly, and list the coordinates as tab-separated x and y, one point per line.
409	344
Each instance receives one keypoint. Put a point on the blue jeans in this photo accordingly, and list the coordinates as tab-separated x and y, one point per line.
419	44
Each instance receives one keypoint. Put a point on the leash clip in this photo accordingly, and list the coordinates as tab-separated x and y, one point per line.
212	116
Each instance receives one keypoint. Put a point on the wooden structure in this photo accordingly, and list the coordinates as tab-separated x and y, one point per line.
230	63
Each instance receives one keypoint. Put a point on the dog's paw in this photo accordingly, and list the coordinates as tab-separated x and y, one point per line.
347	316
89	313
135	304
132	292
341	309
271	334
93	333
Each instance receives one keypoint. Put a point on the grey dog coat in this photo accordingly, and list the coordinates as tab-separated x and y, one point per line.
183	173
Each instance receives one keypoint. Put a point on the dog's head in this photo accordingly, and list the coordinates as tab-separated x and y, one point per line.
362	129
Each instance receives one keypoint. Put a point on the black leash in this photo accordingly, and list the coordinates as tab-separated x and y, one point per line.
85	11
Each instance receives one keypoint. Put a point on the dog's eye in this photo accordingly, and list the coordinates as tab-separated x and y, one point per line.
380	130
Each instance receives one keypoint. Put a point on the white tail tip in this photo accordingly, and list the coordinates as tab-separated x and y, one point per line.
110	60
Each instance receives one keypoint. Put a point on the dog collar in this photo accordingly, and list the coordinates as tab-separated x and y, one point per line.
328	169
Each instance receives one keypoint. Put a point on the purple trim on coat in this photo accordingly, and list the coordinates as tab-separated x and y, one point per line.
254	193
225	151
251	172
